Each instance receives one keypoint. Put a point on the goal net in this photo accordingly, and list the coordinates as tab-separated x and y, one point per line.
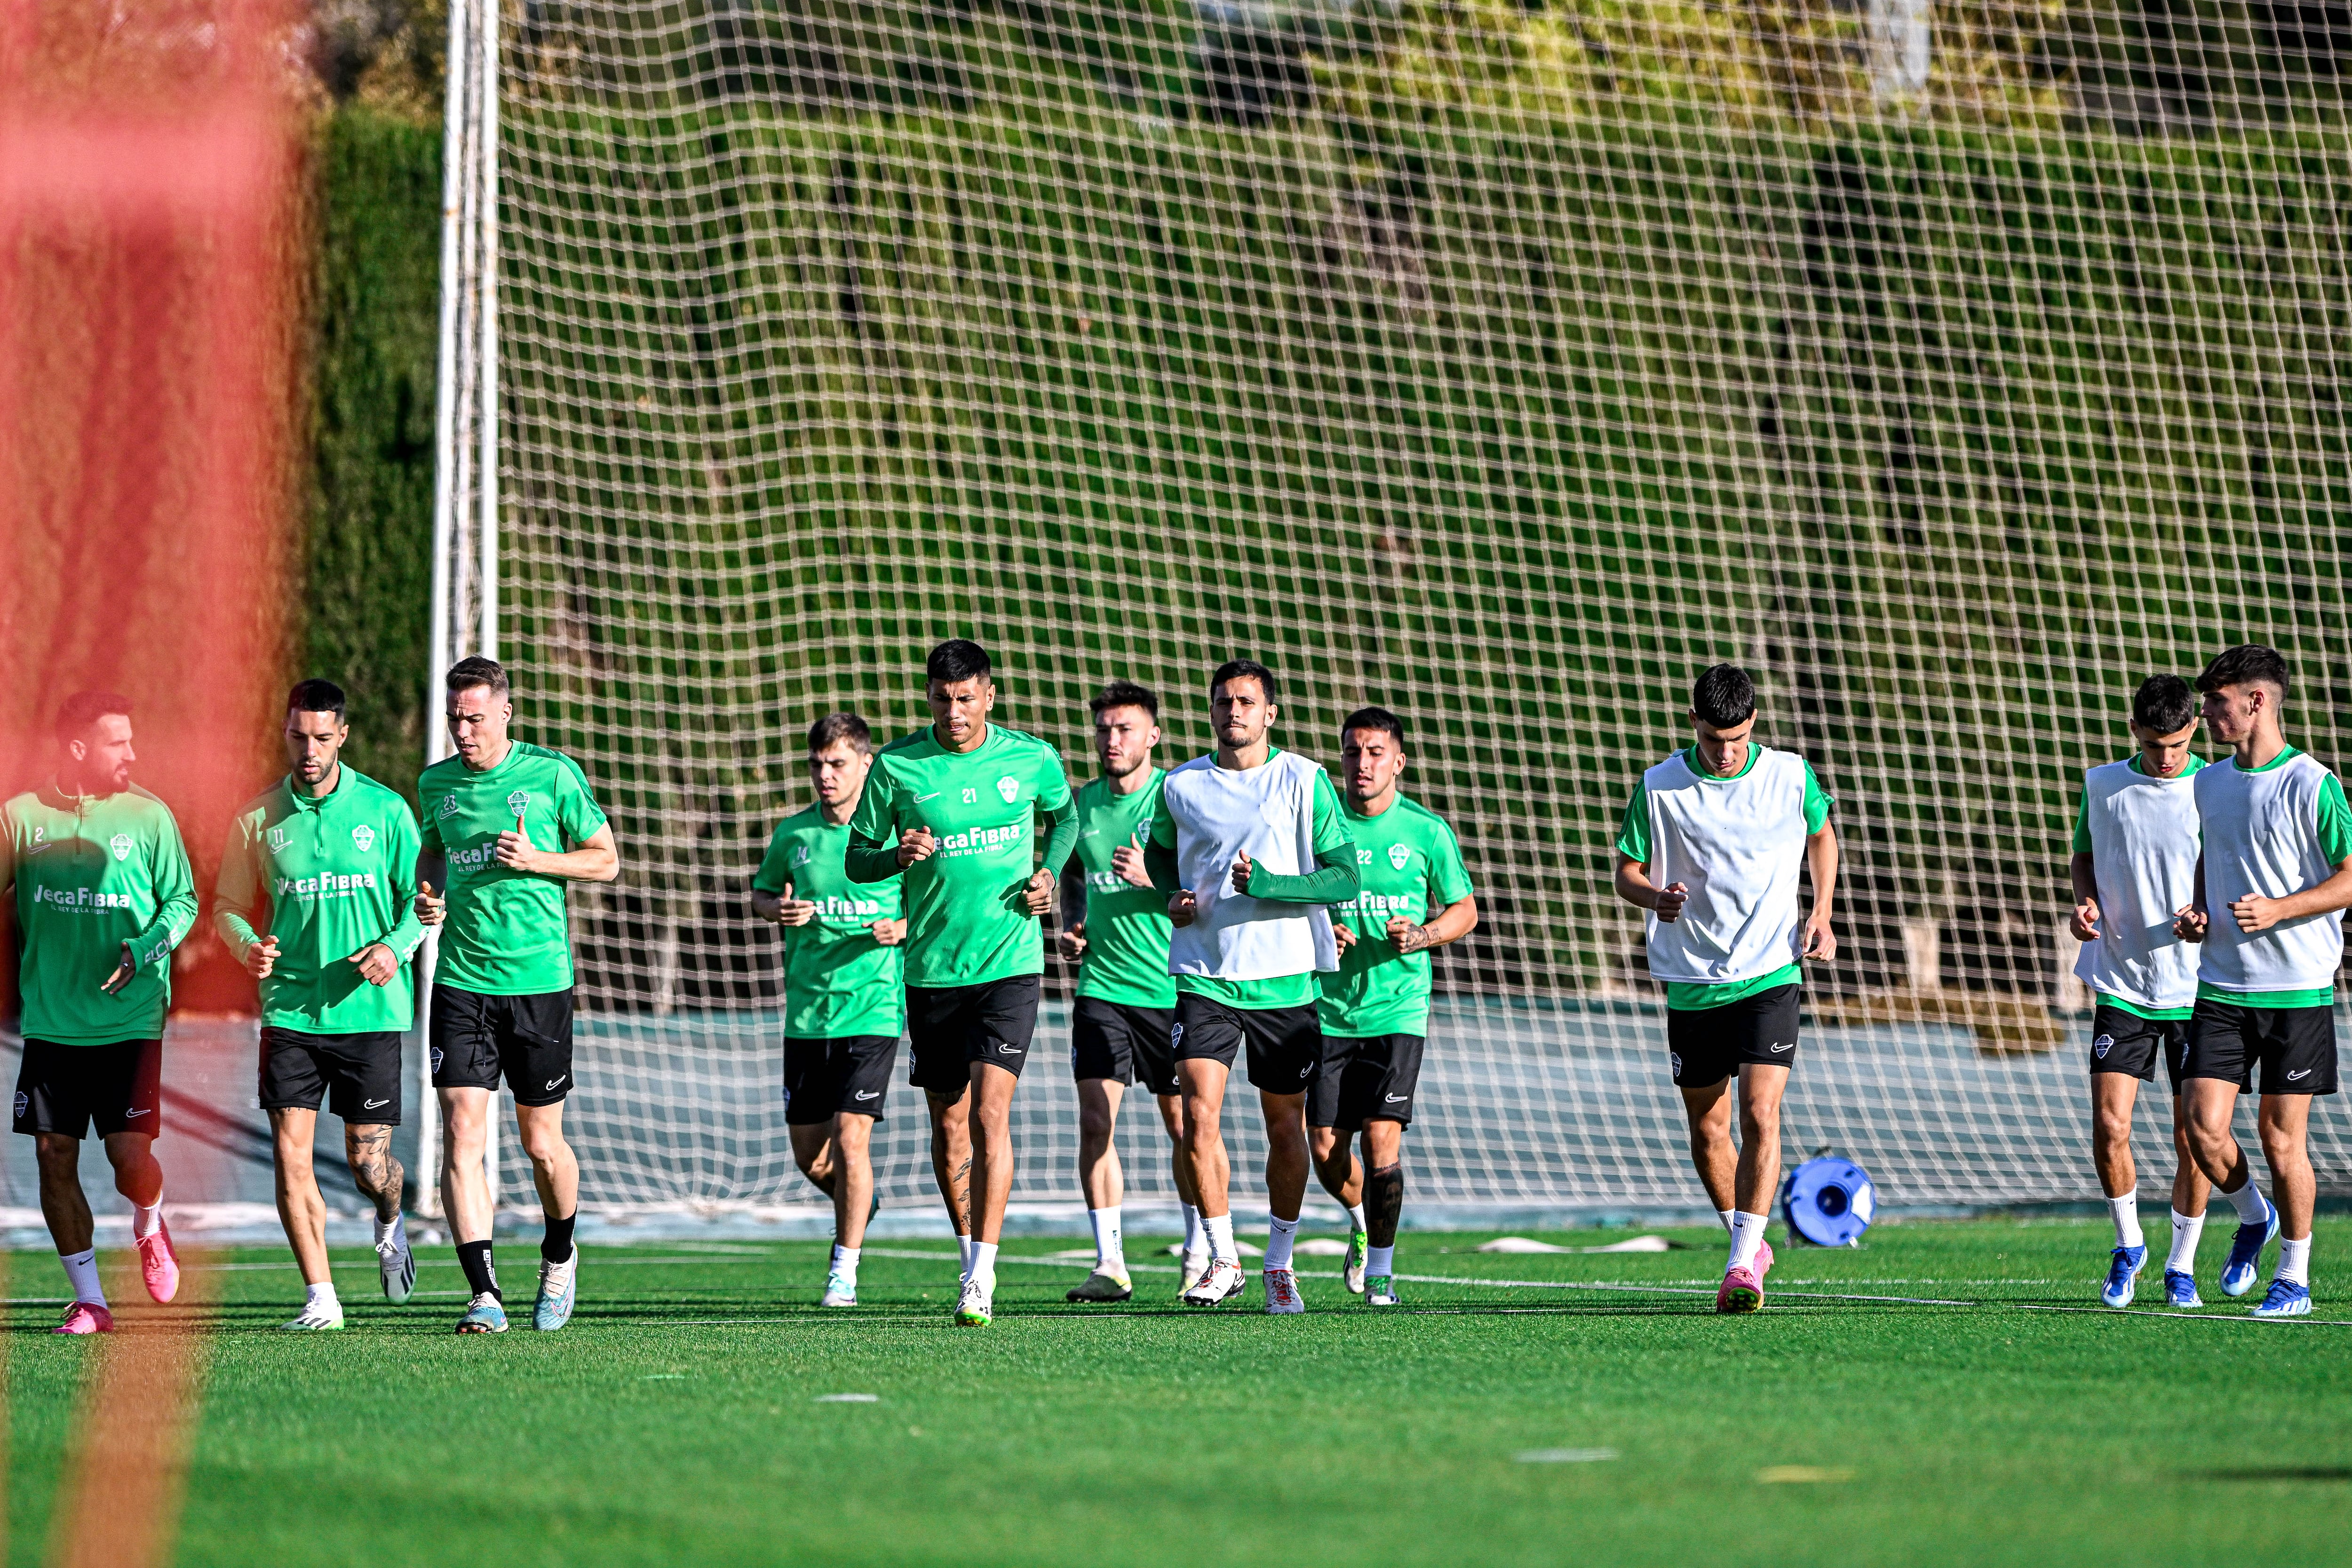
1503	362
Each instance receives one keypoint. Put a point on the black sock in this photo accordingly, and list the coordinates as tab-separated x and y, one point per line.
474	1257
557	1246
1383	1205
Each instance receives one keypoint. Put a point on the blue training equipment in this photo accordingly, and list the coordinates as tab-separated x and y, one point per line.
1828	1201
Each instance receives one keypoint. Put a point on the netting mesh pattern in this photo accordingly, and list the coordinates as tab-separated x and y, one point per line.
1500	364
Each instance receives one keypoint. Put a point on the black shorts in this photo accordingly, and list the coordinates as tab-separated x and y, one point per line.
2296	1046
1365	1079
2127	1043
477	1038
64	1088
825	1077
952	1027
1113	1040
1284	1043
1709	1045
358	1074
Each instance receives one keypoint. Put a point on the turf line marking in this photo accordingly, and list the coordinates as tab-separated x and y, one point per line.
847	1399
1564	1456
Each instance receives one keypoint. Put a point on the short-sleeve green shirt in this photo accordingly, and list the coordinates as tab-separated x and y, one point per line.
966	923
92	873
336	873
506	934
1408	865
1127	926
838	980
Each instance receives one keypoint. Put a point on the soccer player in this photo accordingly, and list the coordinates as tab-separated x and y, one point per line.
508	827
844	1007
1115	928
2277	866
103	896
1413	894
955	807
1711	843
330	856
1250	848
2135	867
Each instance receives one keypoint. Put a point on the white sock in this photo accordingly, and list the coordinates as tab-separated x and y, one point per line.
1196	1240
2185	1232
1111	1252
81	1273
844	1262
1747	1235
983	1263
963	1245
1220	1228
145	1222
322	1296
1356	1217
2125	1212
2295	1261
1724	1216
2248	1201
1379	1260
1279	1234
386	1229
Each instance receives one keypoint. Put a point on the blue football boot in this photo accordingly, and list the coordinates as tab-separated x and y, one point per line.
2238	1275
2286	1299
2123	1275
2180	1291
483	1315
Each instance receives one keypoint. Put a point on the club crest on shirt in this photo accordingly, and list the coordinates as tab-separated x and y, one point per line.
121	844
1398	855
2101	1046
1010	788
277	840
518	802
364	837
799	856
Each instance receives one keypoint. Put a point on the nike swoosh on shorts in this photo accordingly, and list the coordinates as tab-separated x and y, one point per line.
371	1104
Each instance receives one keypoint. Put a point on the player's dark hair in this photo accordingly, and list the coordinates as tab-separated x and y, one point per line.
836	726
83	709
1723	697
956	659
2163	705
1125	694
2248	664
316	697
1373	718
1238	669
476	671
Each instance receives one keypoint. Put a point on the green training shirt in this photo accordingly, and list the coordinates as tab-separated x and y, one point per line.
1126	927
838	980
1408	865
505	933
336	874
1633	843
92	873
966	924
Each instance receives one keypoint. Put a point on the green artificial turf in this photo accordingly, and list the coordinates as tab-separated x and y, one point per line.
681	1419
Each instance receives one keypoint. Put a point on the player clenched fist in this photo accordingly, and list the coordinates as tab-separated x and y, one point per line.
378	964
1037	893
261	957
915	844
1671	899
1183	908
786	910
430	906
1242	867
515	849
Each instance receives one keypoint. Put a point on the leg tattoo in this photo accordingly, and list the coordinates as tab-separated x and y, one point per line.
375	1173
1383	1204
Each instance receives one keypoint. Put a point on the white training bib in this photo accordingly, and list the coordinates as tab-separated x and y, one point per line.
1738	845
2144	850
1269	811
2262	835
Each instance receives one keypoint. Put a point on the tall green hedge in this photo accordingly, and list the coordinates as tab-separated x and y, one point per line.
367	599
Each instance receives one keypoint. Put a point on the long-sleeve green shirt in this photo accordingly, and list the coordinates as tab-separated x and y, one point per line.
93	873
335	875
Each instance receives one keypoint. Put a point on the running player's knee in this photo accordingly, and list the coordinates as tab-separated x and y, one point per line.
57	1154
